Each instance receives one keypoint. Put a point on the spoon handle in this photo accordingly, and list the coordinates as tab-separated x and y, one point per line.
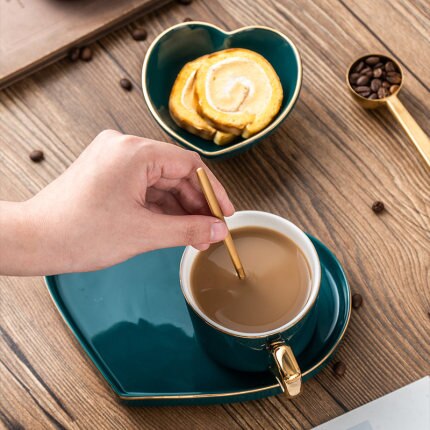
413	130
217	212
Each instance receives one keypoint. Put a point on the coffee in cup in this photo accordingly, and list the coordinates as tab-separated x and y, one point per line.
263	329
276	287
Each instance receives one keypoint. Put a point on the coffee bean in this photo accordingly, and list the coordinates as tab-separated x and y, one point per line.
359	67
375	77
363	91
86	54
363	80
37	155
357	301
372	61
339	368
383	92
378	207
185	2
188	19
353	77
126	84
390	67
139	33
377	73
375	85
366	70
73	54
393	78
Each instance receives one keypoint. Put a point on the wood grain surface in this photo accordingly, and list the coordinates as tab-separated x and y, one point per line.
36	33
323	169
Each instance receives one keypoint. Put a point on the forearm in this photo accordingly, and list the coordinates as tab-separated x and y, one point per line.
24	250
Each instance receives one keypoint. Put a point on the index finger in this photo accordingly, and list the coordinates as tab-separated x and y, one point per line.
173	163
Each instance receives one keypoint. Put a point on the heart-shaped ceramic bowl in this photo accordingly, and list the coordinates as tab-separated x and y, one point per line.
185	42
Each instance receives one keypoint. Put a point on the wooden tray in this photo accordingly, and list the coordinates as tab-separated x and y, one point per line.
38	32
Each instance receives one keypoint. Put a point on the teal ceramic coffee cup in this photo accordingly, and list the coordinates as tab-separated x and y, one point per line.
255	352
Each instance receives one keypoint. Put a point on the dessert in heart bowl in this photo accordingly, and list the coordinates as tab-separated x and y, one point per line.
218	92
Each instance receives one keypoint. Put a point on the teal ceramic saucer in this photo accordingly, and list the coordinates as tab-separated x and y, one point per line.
185	42
132	321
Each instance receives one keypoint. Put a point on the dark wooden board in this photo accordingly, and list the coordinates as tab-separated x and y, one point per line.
34	33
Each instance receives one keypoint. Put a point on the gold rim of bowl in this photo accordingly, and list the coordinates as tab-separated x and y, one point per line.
245	142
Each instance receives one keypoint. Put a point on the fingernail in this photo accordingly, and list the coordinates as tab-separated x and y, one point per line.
218	231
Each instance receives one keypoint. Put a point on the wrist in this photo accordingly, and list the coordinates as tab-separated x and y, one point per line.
24	249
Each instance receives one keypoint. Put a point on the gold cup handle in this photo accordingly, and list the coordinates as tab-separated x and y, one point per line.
413	130
285	368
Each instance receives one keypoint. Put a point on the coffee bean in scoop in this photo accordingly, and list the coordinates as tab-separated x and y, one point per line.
375	77
378	207
339	368
126	84
357	300
139	34
86	54
36	156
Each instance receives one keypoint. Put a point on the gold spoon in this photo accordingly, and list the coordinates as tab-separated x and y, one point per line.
217	212
405	119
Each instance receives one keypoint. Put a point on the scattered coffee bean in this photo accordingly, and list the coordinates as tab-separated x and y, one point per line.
372	61
126	84
86	54
185	2
375	85
375	77
73	54
187	19
377	73
37	155
363	80
378	207
139	33
390	67
339	368
359	67
357	301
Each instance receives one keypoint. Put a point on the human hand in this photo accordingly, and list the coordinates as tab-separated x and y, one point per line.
123	196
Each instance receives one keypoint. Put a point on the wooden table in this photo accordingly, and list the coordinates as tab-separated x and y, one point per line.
323	170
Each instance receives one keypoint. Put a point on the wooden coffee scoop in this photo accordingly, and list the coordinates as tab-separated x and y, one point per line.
217	212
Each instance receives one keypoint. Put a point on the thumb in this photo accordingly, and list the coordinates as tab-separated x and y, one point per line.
173	230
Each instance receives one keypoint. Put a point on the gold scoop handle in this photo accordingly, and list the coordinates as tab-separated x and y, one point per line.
413	130
286	370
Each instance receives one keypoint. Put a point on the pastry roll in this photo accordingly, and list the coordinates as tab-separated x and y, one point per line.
238	91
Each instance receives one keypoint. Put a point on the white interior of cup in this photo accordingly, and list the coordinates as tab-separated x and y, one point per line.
267	220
